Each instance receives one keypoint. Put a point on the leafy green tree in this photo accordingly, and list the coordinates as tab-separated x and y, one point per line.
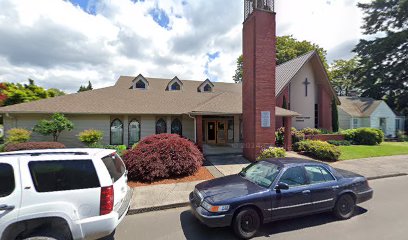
12	93
344	76
87	88
287	48
384	59
335	116
54	92
57	124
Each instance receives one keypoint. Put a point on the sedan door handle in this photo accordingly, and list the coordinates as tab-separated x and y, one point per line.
306	192
335	187
4	207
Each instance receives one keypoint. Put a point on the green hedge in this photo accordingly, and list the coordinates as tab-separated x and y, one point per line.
318	149
297	136
364	136
339	143
272	152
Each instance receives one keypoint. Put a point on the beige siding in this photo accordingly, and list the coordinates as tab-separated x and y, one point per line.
70	139
188	127
236	128
148	124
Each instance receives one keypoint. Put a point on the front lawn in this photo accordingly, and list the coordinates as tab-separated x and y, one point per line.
384	149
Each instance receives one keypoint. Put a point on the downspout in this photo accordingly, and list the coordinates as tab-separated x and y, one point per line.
195	127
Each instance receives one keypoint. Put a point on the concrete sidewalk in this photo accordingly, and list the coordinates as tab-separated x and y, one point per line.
158	197
376	167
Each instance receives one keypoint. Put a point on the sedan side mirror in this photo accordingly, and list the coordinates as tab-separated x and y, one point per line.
282	186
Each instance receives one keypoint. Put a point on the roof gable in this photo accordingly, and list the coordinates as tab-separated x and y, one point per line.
359	106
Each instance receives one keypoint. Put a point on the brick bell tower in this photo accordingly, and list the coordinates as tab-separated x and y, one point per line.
259	67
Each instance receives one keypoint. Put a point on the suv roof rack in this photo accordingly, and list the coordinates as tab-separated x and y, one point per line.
43	153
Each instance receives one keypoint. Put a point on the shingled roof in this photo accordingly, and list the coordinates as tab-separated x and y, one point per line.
359	106
226	98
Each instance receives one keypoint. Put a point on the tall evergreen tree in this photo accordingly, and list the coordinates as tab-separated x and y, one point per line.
87	88
384	60
335	117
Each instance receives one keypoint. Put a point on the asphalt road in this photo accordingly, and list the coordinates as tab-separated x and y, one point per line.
384	217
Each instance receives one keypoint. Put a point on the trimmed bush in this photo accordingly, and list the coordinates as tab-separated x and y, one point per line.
318	149
364	136
90	137
32	146
339	143
272	152
18	135
120	149
162	156
311	131
297	136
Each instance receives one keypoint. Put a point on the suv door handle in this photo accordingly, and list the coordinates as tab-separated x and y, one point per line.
306	192
4	207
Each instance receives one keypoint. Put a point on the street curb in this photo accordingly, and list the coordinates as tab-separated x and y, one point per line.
388	176
158	208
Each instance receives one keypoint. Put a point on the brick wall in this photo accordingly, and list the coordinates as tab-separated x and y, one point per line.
325	111
259	40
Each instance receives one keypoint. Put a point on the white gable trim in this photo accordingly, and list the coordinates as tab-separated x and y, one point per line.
140	78
205	83
174	80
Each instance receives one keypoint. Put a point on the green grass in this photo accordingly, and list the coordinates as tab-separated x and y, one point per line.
384	149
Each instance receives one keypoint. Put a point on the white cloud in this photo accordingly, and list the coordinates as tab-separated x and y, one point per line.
60	45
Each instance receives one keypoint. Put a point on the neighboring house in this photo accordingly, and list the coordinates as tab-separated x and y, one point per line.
355	112
136	107
400	123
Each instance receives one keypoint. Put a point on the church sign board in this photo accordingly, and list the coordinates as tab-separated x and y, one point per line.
266	119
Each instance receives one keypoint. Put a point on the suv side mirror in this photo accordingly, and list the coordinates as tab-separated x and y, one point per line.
282	186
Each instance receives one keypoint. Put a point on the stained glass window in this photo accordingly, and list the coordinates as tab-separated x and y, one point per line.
116	132
176	127
161	126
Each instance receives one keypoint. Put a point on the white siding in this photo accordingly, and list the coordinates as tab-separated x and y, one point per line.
344	119
384	111
299	102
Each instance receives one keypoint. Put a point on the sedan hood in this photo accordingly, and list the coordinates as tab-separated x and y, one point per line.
229	187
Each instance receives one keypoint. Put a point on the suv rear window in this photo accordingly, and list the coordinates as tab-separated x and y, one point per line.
7	183
115	166
51	176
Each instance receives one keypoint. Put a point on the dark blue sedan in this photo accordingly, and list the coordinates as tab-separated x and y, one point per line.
277	189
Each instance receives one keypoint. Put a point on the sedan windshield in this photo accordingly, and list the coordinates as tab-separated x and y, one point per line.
261	173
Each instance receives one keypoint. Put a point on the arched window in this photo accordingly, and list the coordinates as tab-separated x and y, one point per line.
116	132
207	88
134	132
140	84
161	126
176	127
175	86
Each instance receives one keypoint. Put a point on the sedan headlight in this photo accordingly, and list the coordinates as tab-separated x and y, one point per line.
214	209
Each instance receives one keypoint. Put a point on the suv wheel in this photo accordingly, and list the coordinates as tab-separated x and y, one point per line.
246	223
344	208
48	235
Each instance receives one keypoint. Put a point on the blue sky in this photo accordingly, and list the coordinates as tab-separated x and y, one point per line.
65	44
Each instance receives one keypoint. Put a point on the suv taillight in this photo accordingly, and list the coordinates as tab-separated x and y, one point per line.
107	199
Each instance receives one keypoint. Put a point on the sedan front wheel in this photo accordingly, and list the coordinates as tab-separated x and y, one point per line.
246	223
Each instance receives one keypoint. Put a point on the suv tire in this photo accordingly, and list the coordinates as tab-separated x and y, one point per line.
48	235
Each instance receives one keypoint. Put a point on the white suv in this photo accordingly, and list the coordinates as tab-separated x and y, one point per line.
62	194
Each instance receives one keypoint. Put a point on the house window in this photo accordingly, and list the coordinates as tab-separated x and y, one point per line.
116	132
175	86
176	127
141	84
316	115
134	132
161	126
397	124
355	123
207	88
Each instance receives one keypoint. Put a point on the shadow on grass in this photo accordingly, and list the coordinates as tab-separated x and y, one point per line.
193	229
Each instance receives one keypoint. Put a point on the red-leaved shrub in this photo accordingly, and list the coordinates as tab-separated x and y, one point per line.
162	156
32	146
